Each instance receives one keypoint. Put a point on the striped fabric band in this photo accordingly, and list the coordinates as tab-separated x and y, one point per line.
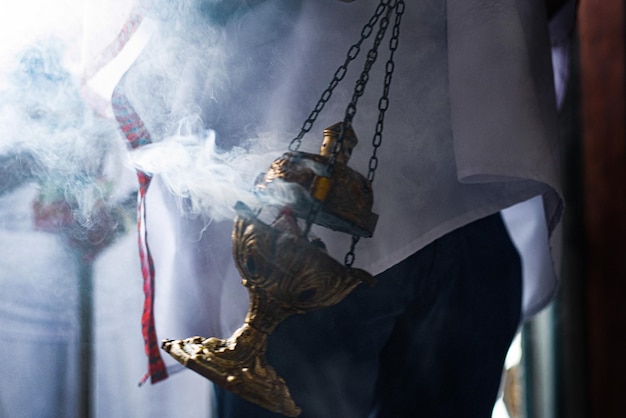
137	135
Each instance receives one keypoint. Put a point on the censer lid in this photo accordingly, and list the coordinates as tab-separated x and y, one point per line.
344	196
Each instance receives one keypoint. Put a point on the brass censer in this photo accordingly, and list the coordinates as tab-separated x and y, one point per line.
285	270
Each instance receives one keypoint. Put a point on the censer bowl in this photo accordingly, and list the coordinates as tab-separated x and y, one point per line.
285	274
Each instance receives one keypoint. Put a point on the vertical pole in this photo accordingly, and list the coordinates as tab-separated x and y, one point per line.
603	118
85	347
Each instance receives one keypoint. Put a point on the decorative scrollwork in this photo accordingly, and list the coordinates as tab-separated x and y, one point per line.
285	274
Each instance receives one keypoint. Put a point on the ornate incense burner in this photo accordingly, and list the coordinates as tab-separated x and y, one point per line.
285	272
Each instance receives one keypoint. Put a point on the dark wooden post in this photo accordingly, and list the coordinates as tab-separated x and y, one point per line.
603	119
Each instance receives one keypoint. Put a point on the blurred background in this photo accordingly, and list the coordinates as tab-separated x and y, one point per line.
574	363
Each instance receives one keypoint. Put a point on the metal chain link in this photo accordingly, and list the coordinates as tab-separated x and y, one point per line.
383	105
339	75
351	256
383	102
386	8
359	87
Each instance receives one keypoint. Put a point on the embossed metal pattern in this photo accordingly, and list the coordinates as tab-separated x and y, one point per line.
284	274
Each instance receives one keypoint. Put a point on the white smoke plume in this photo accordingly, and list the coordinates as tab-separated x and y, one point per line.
209	179
68	147
191	87
44	119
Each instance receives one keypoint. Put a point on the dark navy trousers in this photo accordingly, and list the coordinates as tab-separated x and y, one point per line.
428	340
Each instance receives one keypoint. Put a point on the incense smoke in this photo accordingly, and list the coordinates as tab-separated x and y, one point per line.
196	88
51	136
193	167
205	146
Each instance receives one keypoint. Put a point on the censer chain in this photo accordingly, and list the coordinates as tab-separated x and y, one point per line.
381	16
339	75
383	105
